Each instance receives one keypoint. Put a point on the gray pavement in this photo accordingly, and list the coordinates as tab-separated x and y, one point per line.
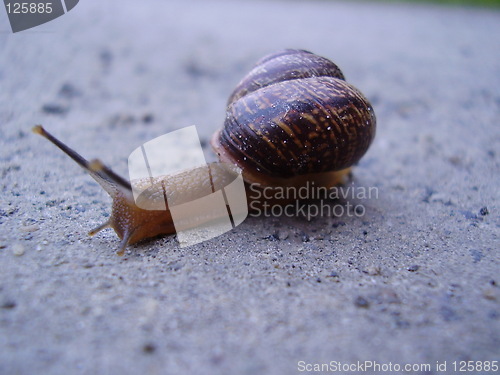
413	281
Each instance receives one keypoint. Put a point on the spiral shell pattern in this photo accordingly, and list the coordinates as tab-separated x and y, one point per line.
311	121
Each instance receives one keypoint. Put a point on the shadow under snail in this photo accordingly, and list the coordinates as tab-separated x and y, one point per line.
293	119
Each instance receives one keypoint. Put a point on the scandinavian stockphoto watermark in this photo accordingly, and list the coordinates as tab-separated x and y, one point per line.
204	200
25	14
309	200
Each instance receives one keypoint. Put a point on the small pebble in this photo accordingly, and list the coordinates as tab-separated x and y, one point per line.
69	91
476	255
283	234
8	304
149	348
361	302
30	228
18	249
147	118
469	215
273	237
373	270
359	209
54	109
106	57
449	314
305	237
491	294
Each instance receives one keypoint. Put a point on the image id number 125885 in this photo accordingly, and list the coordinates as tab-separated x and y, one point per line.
475	366
24	8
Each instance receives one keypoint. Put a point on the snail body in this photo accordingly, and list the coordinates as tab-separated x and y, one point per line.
293	119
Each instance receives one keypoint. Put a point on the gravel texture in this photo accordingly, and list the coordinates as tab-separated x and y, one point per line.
413	281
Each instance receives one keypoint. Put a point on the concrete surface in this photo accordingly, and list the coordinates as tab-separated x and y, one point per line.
413	281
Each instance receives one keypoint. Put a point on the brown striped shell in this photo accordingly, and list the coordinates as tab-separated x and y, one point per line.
292	116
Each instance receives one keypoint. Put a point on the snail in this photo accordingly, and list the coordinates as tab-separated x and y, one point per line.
293	119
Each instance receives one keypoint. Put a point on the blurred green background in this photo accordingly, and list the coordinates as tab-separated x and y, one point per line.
489	3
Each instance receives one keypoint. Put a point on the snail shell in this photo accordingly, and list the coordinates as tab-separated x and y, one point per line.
293	118
284	66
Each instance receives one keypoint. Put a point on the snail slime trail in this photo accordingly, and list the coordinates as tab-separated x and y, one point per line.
292	122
